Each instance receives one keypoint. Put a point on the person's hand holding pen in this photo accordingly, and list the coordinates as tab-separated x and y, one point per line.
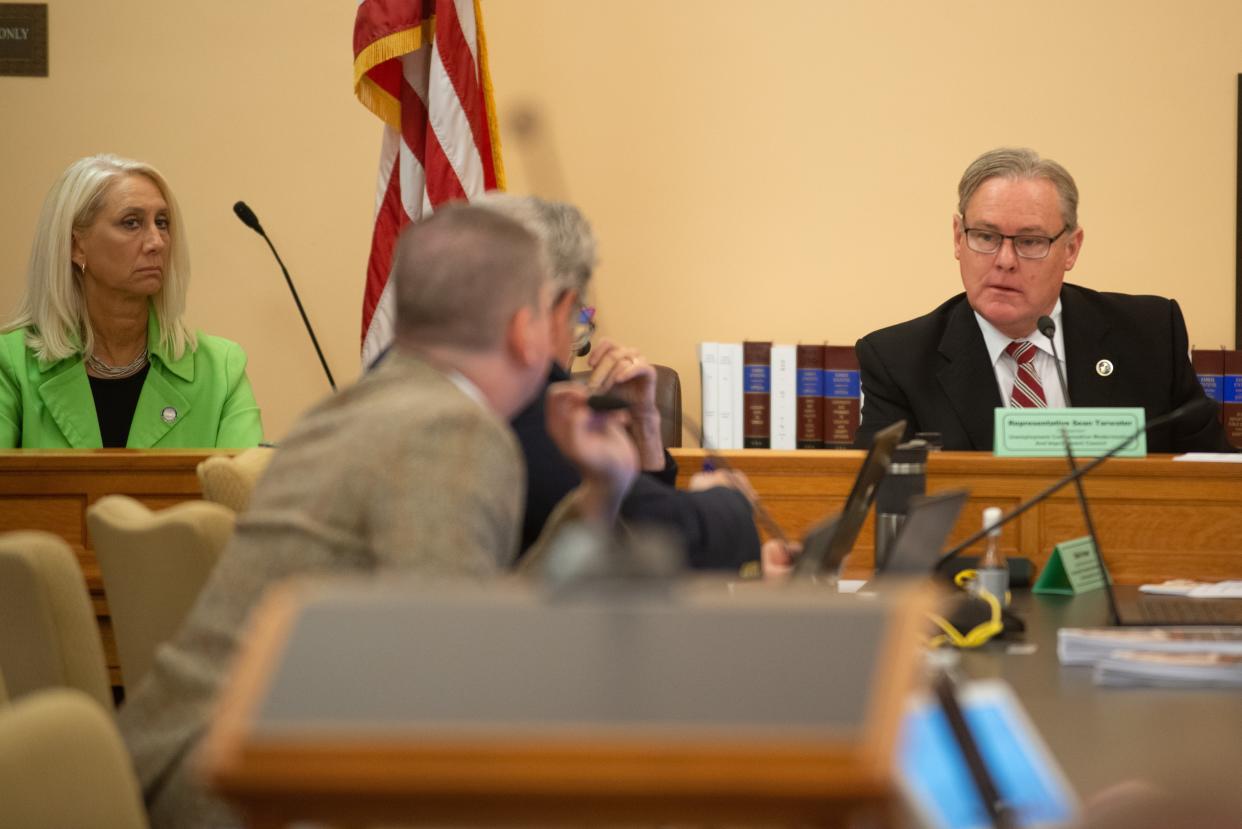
592	435
623	372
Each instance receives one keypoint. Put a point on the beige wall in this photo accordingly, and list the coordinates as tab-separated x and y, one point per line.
781	170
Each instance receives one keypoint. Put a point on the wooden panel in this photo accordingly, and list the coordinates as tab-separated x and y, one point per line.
50	490
58	514
1141	543
1156	518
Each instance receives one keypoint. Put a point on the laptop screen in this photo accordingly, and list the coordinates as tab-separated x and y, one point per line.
929	520
830	541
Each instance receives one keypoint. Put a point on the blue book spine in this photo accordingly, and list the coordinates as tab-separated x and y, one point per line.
1229	391
839	383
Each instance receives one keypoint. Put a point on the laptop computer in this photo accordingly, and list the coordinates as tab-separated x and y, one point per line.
1145	610
921	540
828	543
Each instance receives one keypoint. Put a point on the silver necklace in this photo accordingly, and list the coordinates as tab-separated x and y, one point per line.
101	369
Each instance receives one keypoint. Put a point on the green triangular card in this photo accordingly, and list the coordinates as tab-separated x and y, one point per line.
1073	567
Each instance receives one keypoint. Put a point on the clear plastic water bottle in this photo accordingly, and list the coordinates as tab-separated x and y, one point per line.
992	574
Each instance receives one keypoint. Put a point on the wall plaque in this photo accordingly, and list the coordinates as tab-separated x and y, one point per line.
23	39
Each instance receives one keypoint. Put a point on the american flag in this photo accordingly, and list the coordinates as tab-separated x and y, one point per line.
421	67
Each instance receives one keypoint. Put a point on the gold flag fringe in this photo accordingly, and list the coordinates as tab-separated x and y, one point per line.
379	101
485	78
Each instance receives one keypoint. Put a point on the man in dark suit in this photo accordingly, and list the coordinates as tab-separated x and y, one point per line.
1015	237
713	520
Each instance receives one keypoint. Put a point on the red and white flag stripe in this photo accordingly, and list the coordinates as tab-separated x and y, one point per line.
421	67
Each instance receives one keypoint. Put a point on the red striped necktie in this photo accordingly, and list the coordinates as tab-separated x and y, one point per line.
1028	392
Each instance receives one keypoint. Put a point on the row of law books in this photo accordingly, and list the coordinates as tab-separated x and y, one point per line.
1220	374
761	395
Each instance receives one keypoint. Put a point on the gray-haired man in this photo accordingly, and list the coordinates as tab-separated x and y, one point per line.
713	521
1015	236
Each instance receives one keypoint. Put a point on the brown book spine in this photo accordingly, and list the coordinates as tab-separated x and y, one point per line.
841	395
810	397
757	395
1209	364
1231	397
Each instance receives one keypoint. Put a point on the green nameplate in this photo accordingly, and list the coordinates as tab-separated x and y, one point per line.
1073	567
1037	433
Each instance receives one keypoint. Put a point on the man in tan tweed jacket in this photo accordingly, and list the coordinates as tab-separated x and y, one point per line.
411	469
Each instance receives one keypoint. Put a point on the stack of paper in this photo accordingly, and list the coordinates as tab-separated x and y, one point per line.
1088	646
1170	670
1195	589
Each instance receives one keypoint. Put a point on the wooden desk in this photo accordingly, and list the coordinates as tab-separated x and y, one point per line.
50	490
1156	518
304	736
402	703
1182	741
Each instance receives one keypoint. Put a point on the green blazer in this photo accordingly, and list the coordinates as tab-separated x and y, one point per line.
201	401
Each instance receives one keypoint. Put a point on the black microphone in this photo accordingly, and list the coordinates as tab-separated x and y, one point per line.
1040	497
1049	329
248	218
251	221
1100	566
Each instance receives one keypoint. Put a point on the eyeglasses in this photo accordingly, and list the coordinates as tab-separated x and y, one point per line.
584	328
1025	245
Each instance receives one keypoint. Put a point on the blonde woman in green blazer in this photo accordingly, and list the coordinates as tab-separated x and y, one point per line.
97	354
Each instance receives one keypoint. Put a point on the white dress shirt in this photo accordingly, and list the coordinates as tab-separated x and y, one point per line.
467	387
1006	367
